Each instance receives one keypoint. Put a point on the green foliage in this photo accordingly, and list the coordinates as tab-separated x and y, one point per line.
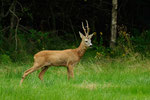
141	42
101	50
128	44
5	59
40	39
34	41
124	44
31	43
47	40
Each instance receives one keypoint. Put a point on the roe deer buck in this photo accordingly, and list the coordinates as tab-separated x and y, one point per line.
68	58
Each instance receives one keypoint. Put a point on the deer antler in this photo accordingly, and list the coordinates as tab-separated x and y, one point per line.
83	28
87	26
87	30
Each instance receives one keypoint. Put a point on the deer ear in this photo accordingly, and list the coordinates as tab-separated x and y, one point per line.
81	35
90	36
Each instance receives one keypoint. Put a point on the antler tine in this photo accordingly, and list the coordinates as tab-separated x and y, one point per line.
87	26
84	28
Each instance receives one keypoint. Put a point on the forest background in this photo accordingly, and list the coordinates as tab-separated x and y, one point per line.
28	26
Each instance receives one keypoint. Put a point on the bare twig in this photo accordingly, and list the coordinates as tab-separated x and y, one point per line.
73	31
20	5
2	12
5	29
18	20
13	13
24	29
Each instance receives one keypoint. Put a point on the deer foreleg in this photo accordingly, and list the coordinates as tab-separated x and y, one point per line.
70	71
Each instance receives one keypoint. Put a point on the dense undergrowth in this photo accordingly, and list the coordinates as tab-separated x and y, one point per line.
128	44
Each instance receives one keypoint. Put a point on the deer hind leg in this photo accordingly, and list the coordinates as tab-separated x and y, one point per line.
42	72
32	69
28	70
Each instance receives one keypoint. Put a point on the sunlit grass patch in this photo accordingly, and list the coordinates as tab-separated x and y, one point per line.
86	85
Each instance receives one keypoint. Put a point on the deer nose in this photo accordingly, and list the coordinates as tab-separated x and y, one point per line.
90	44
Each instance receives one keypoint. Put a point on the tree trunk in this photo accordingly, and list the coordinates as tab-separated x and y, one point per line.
114	23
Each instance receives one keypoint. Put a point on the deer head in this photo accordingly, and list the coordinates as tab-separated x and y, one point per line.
87	38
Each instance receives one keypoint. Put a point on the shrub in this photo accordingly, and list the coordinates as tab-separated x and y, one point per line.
5	59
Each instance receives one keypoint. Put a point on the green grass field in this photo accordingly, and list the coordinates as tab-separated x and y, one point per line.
106	79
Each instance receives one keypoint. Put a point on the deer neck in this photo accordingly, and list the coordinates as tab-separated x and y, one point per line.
81	49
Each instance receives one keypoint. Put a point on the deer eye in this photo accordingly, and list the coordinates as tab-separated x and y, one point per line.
86	41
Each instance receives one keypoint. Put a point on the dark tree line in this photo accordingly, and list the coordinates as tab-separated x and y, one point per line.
61	15
64	17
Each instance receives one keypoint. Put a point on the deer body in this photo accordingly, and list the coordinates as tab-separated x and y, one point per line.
59	57
56	58
68	58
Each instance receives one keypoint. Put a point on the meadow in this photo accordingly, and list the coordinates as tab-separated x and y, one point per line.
95	79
